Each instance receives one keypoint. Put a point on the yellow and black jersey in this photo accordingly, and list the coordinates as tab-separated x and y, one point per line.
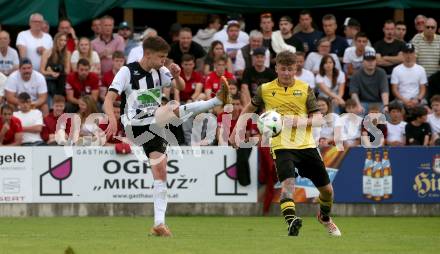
297	100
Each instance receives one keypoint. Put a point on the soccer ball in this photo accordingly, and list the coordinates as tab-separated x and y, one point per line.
270	122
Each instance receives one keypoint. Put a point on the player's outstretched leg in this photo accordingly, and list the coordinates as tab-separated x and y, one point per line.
194	108
287	206
325	206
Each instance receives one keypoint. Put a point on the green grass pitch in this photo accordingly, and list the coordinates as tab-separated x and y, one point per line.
209	235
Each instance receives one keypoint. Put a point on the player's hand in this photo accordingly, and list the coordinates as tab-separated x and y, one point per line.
112	128
175	70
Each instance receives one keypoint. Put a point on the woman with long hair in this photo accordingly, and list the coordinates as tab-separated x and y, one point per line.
216	50
331	82
324	135
89	131
55	65
84	50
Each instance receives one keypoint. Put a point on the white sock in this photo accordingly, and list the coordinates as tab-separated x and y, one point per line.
160	201
197	107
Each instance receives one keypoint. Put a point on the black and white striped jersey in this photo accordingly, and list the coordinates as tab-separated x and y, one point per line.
141	92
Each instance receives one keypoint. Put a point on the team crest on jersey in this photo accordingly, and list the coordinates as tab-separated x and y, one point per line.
297	93
273	93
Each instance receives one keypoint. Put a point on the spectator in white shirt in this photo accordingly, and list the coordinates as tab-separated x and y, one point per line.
84	50
396	125
353	56
31	121
331	82
136	53
33	42
232	45
434	120
25	79
8	56
408	79
222	35
314	58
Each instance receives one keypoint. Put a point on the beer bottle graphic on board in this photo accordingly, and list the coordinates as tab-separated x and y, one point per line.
367	181
387	176
377	189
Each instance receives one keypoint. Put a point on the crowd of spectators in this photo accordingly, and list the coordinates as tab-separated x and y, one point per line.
42	77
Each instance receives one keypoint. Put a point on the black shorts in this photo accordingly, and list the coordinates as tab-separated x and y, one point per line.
155	144
308	162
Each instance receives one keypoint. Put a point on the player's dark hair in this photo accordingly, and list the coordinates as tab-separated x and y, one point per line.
285	58
155	44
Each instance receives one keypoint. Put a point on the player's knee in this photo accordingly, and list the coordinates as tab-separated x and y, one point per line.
326	191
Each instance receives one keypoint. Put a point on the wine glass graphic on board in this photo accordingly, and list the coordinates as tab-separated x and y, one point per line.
59	172
229	173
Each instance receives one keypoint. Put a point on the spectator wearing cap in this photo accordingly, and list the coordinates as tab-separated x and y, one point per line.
25	79
33	42
301	73
353	55
284	39
400	31
137	52
338	43
244	55
124	30
369	85
427	46
65	27
11	131
185	45
107	78
255	75
351	28
408	80
222	35
50	121
308	35
205	37
313	60
8	56
388	50
79	84
419	23
232	45
107	43
31	121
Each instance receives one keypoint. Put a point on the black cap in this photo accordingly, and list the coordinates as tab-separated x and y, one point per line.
123	25
408	48
259	51
352	22
369	55
24	61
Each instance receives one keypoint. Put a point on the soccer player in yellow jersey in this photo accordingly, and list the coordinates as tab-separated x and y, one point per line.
295	146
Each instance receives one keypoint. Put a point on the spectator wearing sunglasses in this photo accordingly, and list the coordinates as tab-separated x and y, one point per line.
427	46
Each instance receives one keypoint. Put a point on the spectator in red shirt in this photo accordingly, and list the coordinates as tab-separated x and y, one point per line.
11	132
212	84
81	83
107	78
50	121
193	81
120	132
65	27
